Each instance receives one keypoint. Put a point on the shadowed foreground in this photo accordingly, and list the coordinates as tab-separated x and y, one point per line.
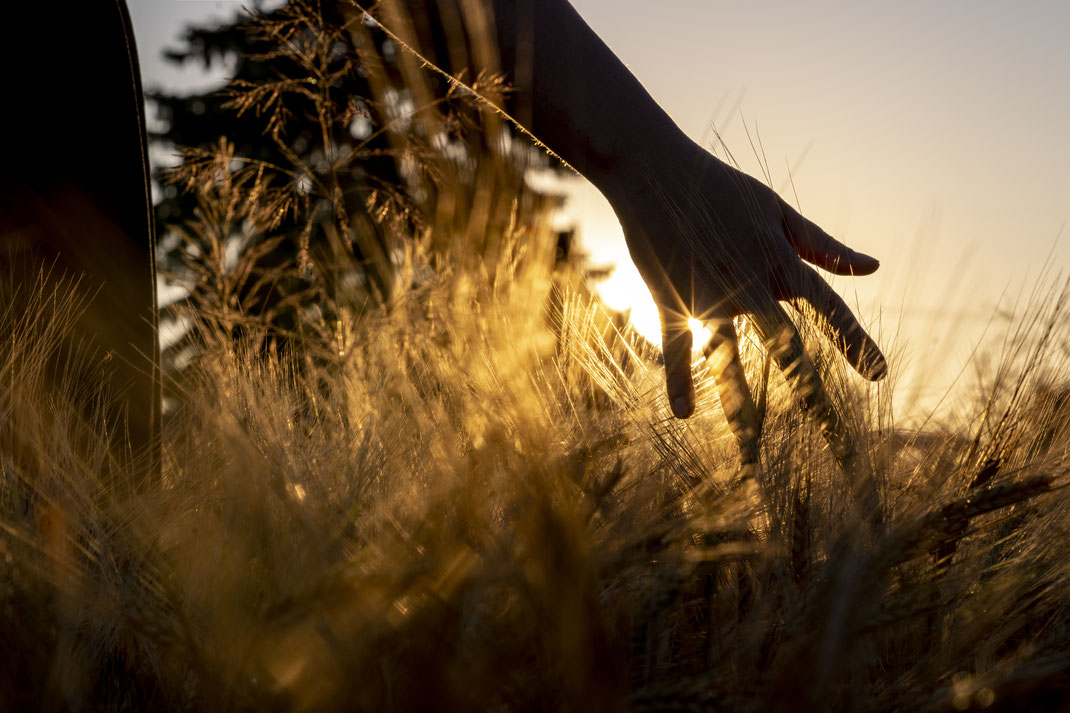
460	508
75	203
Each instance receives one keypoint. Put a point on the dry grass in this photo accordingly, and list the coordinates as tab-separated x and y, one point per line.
470	495
467	510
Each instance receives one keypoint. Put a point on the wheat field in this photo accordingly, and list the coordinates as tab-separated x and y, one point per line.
469	493
473	506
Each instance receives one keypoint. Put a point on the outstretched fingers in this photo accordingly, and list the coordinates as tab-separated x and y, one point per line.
786	347
722	352
842	327
819	248
676	344
782	339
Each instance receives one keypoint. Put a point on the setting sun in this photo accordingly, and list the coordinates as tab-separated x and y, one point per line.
699	333
625	291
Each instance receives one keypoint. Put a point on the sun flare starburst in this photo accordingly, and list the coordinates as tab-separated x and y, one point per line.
625	291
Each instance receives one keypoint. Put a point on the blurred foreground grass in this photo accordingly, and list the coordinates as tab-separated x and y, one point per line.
470	507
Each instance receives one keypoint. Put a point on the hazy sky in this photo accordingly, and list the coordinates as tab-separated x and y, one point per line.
931	134
157	24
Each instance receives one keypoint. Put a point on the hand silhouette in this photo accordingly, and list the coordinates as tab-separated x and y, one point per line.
714	243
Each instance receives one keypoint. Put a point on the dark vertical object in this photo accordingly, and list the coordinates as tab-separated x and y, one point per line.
74	196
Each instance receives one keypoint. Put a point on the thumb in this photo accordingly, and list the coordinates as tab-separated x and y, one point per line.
676	342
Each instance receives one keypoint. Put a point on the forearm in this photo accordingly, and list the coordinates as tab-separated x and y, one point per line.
575	95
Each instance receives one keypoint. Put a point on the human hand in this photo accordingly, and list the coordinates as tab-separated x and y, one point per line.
714	243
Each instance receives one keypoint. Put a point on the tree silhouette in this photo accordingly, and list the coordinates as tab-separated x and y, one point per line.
303	182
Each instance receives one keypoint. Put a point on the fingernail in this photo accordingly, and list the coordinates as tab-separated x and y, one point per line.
680	407
862	257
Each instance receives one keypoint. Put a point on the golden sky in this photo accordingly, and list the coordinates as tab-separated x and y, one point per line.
930	134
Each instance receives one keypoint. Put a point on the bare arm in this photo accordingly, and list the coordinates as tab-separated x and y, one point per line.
710	241
574	94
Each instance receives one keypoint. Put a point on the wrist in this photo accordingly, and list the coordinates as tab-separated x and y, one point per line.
620	163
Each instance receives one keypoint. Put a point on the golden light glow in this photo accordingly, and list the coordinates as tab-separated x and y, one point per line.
625	290
700	334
